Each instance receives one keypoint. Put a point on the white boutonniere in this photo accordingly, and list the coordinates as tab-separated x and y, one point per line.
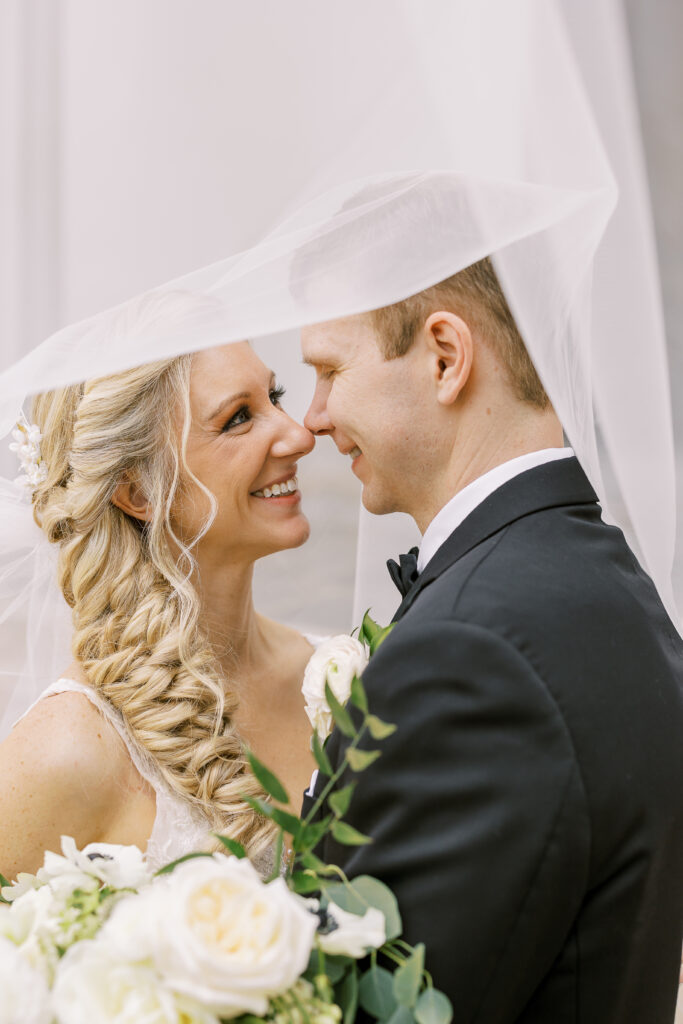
335	662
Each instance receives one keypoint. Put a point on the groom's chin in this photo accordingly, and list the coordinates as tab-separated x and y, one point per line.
377	504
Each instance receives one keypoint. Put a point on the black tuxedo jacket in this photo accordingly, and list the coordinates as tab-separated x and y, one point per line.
528	811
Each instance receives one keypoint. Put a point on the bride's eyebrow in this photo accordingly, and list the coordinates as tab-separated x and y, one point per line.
239	396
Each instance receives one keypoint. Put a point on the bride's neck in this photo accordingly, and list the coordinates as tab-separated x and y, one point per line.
234	629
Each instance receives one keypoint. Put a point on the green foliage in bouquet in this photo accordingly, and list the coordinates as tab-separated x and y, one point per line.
390	983
204	939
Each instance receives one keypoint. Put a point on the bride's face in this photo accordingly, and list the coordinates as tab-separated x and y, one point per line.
243	446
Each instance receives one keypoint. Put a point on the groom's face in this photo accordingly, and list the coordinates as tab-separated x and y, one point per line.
375	410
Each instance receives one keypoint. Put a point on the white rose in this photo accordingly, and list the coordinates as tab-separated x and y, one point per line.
131	931
351	934
28	924
217	934
24	994
95	987
335	661
122	867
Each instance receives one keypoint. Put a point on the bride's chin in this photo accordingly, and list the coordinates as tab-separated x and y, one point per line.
293	535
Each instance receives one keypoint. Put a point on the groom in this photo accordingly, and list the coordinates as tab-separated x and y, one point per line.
528	811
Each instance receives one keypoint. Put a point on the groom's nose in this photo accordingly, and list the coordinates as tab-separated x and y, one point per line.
317	419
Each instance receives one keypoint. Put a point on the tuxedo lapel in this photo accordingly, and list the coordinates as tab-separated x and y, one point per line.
553	484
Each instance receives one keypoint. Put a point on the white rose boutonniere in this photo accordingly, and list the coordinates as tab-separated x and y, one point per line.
336	662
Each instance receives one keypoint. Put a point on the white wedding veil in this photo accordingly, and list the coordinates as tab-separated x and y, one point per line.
403	140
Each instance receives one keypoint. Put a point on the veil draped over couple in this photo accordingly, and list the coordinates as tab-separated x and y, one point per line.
482	378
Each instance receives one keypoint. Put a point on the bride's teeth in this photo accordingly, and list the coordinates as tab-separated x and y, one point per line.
288	487
355	452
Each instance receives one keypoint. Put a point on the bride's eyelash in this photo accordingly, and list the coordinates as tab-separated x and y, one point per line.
243	414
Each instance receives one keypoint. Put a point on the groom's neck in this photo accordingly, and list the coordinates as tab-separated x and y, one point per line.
478	448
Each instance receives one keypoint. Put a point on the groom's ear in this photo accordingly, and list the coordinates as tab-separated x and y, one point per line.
450	349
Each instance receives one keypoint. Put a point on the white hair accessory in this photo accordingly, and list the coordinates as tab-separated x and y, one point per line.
26	444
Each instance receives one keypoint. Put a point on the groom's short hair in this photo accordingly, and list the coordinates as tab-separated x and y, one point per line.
475	295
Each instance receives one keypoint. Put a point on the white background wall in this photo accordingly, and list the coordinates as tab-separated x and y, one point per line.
118	172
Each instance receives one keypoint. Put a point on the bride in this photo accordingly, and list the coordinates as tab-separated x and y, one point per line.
164	484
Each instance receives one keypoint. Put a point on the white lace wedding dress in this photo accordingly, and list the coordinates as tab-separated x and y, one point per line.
179	828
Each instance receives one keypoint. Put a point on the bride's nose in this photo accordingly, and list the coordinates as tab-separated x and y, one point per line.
292	438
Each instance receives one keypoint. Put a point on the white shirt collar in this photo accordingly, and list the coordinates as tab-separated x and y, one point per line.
466	500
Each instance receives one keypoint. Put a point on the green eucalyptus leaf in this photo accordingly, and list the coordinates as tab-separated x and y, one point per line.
313	965
346	995
289	822
321	758
358	695
363	892
232	845
304	883
402	1015
369	629
359	760
433	1007
341	798
268	780
380	637
259	805
408	977
376	993
339	714
379	730
313	863
310	835
336	967
348	835
168	868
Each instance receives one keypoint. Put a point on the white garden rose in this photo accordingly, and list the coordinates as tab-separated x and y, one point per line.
335	662
216	933
28	923
24	996
122	867
95	987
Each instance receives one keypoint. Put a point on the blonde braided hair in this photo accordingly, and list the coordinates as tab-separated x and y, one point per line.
136	614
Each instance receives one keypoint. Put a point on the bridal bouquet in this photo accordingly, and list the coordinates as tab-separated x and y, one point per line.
95	938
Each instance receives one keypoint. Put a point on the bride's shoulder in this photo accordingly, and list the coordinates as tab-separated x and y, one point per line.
64	743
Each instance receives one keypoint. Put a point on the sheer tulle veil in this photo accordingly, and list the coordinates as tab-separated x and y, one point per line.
420	137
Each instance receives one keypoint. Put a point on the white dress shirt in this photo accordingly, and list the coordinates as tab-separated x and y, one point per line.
466	500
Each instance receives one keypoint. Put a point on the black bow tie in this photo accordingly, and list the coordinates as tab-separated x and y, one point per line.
404	572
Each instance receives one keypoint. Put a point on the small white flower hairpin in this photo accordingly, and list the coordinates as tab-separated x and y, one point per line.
26	444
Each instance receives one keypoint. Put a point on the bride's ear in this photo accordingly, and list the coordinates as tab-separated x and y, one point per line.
130	498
